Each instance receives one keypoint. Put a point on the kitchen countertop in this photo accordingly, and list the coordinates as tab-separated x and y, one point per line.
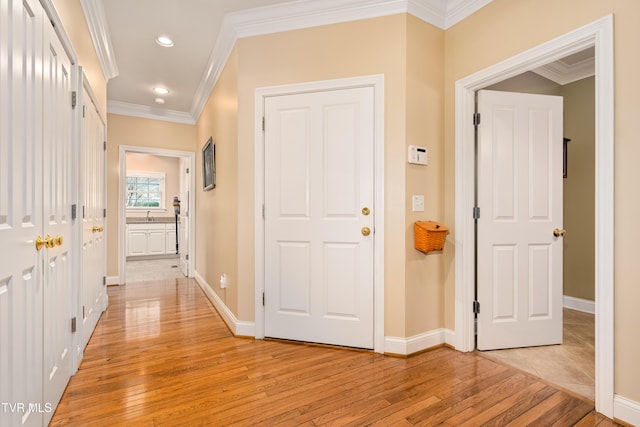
154	219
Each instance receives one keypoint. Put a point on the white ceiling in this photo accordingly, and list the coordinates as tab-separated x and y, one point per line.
204	32
142	64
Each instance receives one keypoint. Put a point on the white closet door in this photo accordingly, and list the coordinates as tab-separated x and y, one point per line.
56	204
93	292
20	211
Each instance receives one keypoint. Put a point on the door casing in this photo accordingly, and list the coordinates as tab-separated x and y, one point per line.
377	82
189	157
598	34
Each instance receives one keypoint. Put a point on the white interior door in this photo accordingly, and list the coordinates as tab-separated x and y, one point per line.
21	293
56	204
318	203
183	224
93	293
520	200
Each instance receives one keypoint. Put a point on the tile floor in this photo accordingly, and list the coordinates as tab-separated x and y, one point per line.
570	365
155	269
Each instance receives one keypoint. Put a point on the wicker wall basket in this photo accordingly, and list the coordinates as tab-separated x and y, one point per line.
429	236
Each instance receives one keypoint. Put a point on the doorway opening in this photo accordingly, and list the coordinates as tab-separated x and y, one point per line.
572	366
156	206
598	35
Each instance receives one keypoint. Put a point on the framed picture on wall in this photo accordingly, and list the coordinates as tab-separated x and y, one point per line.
209	165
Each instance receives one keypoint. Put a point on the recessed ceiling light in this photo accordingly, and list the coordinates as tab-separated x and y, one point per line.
161	90
164	41
159	101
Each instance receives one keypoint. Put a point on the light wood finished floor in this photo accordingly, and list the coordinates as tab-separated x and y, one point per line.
161	355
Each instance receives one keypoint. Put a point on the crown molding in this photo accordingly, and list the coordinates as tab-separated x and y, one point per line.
458	10
306	14
142	111
99	30
563	74
297	15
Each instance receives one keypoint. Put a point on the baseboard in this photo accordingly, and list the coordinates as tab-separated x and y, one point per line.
237	327
579	304
113	280
417	343
626	410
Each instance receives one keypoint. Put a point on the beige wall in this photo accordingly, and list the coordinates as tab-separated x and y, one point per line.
217	209
424	127
579	189
75	25
505	28
133	131
170	166
375	46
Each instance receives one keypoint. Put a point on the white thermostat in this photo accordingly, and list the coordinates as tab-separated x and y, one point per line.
418	155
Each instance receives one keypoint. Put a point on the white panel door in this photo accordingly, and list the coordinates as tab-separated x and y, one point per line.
21	293
56	204
318	182
183	224
520	200
93	292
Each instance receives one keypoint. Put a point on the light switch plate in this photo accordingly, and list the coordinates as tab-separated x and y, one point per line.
417	203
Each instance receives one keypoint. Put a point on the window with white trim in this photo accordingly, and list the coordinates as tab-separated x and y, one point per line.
145	190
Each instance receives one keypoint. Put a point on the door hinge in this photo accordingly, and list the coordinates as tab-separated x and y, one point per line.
263	299
84	111
263	211
263	124
74	211
476	119
74	326
104	280
83	214
83	316
187	171
74	100
104	147
187	257
476	212
104	212
476	307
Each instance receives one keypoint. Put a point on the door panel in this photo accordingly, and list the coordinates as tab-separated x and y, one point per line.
520	198
93	292
21	296
57	143
318	177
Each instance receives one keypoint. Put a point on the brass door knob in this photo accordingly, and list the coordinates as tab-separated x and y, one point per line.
559	232
48	241
366	231
365	211
96	229
57	240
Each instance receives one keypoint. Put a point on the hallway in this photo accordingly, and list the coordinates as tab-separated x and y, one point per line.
161	355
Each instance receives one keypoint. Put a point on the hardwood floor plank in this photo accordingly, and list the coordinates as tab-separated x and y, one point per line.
162	356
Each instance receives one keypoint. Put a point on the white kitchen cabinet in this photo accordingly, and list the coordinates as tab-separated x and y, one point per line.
170	239
150	239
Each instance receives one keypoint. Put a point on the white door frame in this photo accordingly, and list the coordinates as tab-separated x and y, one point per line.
377	82
190	157
598	34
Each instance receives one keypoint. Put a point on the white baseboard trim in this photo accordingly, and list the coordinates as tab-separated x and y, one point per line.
113	280
416	343
237	327
626	410
579	304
